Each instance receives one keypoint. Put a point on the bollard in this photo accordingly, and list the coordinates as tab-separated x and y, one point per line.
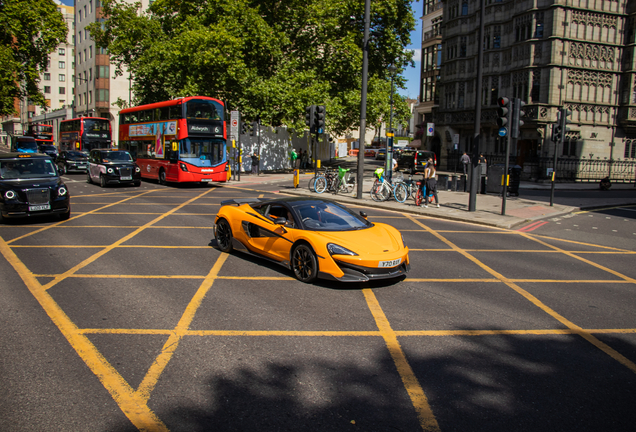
318	163
296	178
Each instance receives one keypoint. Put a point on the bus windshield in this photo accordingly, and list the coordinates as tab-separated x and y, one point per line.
204	110
96	125
202	152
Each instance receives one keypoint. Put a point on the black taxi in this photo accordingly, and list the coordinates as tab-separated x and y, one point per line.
30	186
106	166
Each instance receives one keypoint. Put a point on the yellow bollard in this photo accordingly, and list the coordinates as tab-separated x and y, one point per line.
318	163
296	178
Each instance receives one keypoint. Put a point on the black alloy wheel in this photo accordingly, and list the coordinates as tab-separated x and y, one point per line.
162	178
223	236
102	181
304	263
88	177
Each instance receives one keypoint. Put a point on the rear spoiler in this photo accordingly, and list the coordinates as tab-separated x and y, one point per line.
241	201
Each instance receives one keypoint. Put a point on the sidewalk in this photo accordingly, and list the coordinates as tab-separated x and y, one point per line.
454	205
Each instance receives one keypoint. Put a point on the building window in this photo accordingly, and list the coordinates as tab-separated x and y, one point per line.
90	3
62	77
47	77
496	37
102	95
538	30
62	65
47	89
62	103
569	146
90	74
62	90
61	51
102	72
80	37
90	96
90	51
462	46
630	149
465	7
494	90
536	86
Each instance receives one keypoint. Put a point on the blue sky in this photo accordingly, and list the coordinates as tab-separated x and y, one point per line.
412	74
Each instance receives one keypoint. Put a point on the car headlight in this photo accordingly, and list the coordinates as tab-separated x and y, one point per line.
334	249
137	169
9	195
61	191
110	171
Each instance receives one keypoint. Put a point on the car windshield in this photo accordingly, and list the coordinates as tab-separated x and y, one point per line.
76	154
116	156
328	216
27	168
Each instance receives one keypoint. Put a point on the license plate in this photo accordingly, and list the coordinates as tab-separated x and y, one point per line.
81	167
40	207
126	177
391	263
206	180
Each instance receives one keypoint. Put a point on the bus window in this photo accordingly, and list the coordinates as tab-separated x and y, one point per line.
204	109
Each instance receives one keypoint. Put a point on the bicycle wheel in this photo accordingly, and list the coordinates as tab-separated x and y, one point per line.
349	185
376	192
320	184
418	197
311	184
338	186
400	193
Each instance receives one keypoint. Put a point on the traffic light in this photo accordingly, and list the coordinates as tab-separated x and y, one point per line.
244	128
503	112
556	129
309	117
254	131
319	116
565	113
517	113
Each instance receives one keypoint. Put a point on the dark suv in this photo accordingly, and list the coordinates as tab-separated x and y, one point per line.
414	161
106	166
30	186
71	160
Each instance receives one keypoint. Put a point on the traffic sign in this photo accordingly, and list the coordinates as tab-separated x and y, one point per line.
235	118
430	129
503	132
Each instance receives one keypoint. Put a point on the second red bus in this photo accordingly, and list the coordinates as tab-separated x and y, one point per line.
84	134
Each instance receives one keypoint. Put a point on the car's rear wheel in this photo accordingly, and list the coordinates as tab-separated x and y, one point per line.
304	263
223	236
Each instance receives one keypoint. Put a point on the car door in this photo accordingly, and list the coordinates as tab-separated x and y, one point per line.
93	167
265	236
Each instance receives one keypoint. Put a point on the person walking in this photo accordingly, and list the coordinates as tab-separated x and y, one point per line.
465	160
255	164
431	183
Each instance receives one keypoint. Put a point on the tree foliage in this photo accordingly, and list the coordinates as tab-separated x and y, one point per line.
269	59
29	30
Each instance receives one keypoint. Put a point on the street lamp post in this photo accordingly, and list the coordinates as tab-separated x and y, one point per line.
389	141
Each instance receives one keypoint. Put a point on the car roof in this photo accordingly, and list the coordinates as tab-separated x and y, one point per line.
6	156
292	201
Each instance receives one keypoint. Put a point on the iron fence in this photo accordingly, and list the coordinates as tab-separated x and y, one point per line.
568	169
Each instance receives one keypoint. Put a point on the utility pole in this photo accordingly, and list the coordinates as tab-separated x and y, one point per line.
474	172
363	103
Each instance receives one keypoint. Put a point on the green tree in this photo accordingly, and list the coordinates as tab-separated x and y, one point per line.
30	30
268	58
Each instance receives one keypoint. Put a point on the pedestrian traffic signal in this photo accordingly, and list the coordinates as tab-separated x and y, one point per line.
319	116
517	113
309	117
244	128
255	129
557	135
503	112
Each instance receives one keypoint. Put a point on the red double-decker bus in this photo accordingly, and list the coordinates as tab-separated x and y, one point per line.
181	140
85	134
42	133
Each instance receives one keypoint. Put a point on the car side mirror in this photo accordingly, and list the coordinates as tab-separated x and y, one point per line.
280	221
363	214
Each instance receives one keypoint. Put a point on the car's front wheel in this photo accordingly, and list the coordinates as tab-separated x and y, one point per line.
102	181
223	236
88	177
304	263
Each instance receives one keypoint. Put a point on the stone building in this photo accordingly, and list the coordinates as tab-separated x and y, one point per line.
576	54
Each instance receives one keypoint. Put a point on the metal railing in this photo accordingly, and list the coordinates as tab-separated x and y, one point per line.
568	169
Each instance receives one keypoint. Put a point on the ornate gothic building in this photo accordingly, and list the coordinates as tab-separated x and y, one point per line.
577	54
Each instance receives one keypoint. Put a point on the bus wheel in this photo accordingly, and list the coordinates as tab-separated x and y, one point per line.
102	181
88	177
162	177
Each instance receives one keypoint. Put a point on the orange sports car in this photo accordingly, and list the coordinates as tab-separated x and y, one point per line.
315	238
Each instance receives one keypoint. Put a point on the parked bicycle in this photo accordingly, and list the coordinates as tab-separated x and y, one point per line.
383	189
346	182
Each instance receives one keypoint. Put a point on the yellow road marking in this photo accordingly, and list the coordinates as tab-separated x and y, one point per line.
585	335
131	404
169	348
113	246
413	388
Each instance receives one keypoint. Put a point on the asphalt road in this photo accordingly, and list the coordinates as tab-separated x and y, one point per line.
126	317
